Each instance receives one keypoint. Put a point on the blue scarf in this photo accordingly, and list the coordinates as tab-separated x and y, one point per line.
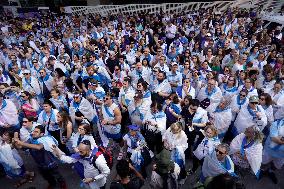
251	112
245	145
240	102
211	93
4	104
41	79
232	89
218	109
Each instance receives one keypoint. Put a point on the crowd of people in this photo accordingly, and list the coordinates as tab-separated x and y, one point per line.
158	90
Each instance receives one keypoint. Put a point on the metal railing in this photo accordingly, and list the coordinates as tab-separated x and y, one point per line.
104	10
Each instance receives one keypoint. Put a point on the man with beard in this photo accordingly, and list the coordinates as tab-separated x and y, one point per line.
162	89
95	170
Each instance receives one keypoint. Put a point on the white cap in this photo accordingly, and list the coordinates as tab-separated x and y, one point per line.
26	71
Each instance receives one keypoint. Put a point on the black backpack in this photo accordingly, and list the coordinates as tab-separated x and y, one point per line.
107	155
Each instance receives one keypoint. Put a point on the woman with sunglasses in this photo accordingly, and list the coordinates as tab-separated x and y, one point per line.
111	120
84	133
246	151
218	162
251	114
118	75
238	101
80	108
29	105
249	85
206	146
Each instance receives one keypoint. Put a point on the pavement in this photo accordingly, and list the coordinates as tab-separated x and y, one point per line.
73	181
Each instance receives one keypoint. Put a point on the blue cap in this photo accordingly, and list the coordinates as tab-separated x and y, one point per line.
134	127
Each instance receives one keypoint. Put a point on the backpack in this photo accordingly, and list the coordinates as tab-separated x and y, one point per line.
107	155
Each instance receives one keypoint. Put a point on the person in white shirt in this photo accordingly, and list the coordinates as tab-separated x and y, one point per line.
170	33
162	64
210	93
27	128
277	94
155	126
249	86
138	73
252	114
95	168
163	88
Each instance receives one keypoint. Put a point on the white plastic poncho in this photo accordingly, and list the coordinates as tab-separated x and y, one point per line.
253	153
212	166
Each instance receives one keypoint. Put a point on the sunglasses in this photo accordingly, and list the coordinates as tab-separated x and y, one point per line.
243	95
254	102
41	72
34	62
193	109
75	97
218	151
106	98
93	84
26	73
23	96
25	121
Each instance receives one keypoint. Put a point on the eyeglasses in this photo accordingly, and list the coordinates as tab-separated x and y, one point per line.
23	96
243	95
254	102
116	70
75	97
218	151
25	121
26	73
41	72
106	98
